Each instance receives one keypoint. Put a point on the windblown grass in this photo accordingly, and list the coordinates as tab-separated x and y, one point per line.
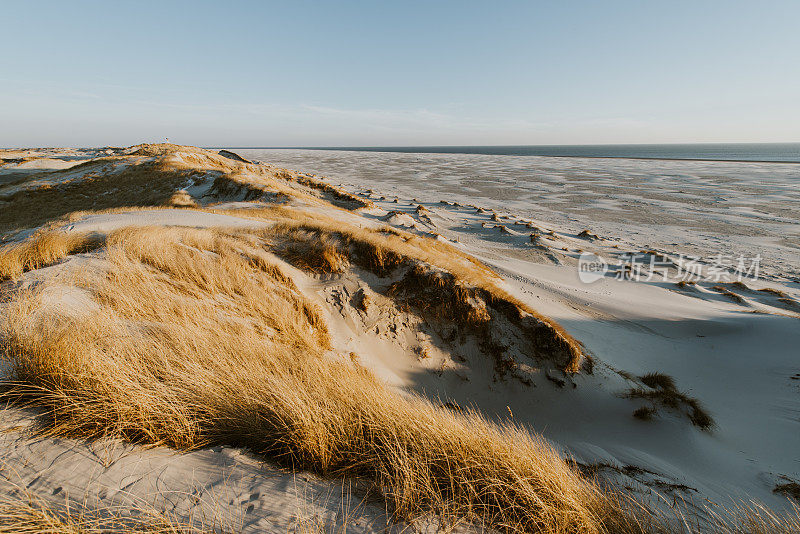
231	352
31	515
44	248
752	518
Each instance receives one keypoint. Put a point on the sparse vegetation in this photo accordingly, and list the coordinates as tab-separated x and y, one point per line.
658	381
752	518
361	300
335	195
774	292
586	234
660	390
728	293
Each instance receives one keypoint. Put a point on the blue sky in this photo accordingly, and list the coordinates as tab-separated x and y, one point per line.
399	73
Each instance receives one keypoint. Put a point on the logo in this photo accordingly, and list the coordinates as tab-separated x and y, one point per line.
591	268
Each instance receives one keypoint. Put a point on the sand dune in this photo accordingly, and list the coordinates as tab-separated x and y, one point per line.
486	321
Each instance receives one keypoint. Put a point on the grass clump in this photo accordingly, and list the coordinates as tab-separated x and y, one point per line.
43	249
30	517
29	514
311	250
658	381
728	293
790	488
182	199
645	413
660	390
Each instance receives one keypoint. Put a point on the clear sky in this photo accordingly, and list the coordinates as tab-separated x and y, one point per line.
341	72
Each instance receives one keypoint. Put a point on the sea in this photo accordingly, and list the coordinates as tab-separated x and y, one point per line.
744	152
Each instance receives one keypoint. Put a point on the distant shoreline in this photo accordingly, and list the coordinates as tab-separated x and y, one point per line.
791	151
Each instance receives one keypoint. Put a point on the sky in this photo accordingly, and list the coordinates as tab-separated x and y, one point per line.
379	73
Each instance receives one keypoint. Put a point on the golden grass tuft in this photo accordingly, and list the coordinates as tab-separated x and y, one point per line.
44	248
310	250
182	199
231	352
728	293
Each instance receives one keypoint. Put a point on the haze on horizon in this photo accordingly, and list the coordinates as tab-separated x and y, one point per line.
351	73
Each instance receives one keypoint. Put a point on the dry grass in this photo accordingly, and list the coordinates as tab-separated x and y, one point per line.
788	487
140	184
586	234
310	250
774	292
232	353
728	293
150	176
44	248
336	196
182	199
751	518
31	515
658	380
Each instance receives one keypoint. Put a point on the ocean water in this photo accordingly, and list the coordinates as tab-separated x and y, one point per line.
756	152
